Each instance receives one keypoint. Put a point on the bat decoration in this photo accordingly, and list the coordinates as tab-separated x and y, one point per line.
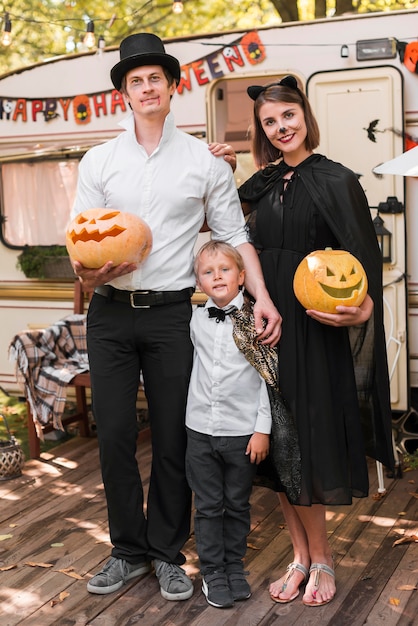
371	130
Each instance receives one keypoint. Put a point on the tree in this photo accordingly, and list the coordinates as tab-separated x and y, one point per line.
287	9
56	27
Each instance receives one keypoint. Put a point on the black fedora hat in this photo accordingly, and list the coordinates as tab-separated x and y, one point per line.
143	49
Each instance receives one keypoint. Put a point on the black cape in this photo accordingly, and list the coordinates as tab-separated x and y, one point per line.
340	199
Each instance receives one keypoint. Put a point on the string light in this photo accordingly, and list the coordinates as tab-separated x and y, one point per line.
101	44
6	37
177	7
89	38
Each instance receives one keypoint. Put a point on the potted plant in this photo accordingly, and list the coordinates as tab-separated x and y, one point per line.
45	262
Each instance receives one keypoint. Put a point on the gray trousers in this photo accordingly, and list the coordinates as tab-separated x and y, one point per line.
220	475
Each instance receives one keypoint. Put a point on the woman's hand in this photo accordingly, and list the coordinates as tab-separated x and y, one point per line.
225	150
346	315
93	278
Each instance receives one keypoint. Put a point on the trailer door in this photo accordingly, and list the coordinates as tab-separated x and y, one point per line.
360	116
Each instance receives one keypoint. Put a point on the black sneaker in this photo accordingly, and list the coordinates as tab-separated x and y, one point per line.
239	586
216	589
115	574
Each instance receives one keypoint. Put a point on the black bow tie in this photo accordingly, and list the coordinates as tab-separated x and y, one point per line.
220	314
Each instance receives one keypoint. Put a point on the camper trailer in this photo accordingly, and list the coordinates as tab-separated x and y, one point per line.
360	73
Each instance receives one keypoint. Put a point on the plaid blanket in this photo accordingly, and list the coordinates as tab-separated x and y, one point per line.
46	361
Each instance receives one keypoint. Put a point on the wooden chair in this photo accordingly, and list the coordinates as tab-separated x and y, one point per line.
80	382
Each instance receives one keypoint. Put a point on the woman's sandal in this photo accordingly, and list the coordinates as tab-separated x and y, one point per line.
318	568
291	568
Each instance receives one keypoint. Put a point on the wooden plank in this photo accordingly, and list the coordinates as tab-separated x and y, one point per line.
397	602
61	498
371	559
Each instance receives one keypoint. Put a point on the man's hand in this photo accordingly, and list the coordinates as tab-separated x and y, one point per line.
268	321
258	447
94	278
225	150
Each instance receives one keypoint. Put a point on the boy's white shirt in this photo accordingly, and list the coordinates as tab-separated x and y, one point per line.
227	396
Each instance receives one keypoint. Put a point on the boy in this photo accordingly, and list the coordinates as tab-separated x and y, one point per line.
228	422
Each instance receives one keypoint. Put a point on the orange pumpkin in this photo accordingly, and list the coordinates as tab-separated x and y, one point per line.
96	236
327	278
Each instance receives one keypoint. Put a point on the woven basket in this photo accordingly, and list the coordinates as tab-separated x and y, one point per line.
12	458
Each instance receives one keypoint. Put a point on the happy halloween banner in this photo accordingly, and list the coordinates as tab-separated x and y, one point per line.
85	107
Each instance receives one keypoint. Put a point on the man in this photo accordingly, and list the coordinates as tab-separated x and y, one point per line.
138	319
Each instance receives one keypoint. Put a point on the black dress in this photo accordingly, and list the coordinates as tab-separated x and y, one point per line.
316	370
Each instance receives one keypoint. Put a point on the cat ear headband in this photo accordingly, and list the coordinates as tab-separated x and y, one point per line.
288	81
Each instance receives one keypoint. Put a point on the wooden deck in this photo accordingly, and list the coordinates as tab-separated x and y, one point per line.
55	514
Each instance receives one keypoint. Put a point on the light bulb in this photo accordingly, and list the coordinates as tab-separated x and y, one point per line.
6	36
177	7
89	38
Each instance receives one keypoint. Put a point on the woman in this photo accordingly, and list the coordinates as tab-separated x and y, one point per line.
332	367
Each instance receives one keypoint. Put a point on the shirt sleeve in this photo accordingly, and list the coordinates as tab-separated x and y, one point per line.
263	421
88	195
222	205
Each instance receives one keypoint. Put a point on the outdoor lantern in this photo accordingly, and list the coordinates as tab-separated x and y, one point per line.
384	239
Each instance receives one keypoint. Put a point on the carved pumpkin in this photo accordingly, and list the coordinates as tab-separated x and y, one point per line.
327	278
96	236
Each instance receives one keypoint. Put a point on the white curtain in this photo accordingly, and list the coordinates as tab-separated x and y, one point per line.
37	199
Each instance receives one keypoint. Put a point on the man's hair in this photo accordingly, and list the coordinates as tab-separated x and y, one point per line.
167	74
263	151
212	247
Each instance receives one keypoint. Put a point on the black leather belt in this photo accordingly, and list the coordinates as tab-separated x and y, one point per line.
144	299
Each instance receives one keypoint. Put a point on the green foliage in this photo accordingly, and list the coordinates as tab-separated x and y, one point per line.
42	30
32	259
411	460
50	28
14	410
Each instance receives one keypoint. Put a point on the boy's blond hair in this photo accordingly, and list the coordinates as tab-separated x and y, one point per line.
212	247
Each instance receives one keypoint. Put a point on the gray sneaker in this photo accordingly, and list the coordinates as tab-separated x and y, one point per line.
174	582
115	574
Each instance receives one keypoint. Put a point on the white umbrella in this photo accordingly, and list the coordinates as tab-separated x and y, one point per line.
406	164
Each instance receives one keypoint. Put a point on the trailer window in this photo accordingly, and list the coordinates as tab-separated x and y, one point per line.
36	201
230	113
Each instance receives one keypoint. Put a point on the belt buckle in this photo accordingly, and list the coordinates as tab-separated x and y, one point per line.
132	300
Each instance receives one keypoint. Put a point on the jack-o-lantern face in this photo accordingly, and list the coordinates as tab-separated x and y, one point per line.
327	278
100	235
410	58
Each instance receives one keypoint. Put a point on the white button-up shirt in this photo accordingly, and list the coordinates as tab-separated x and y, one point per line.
227	396
172	189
